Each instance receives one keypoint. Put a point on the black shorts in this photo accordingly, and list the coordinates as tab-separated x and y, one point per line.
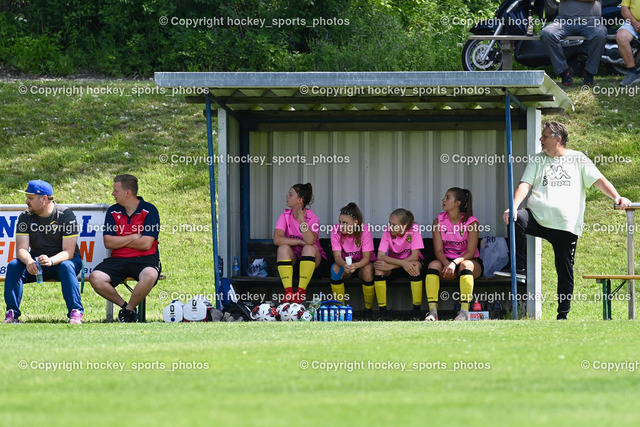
478	260
400	272
119	269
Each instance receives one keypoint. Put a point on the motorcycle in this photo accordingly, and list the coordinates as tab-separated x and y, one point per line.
515	17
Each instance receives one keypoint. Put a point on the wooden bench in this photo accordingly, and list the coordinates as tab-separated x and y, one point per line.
507	44
142	307
271	285
607	294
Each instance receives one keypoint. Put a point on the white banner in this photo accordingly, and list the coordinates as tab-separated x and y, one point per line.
90	221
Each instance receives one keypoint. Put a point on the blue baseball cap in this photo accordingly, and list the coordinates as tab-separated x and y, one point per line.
38	187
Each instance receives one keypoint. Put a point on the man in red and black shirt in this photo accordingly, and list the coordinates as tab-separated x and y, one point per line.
131	228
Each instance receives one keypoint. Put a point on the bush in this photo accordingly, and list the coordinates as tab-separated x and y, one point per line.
127	38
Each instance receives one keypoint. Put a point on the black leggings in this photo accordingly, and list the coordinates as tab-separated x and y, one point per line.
564	248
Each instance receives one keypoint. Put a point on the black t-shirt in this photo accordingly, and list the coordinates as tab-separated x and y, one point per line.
46	233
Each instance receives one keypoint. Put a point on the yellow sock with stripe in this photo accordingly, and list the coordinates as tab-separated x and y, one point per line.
337	289
416	290
380	284
369	293
466	288
432	285
285	269
307	267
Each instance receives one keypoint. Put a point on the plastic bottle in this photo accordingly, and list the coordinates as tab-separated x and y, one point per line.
343	314
349	315
477	306
314	306
39	275
530	25
236	267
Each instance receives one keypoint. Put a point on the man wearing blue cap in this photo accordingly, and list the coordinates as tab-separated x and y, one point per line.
47	234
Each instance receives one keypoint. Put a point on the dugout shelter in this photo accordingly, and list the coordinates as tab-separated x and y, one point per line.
382	139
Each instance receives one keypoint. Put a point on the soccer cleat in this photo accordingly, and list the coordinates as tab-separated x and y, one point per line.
127	316
75	317
10	317
383	313
462	315
561	316
567	76
300	296
367	315
432	316
587	78
288	295
417	313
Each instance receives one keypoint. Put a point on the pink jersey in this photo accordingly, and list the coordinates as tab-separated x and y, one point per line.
400	247
348	244
291	227
455	237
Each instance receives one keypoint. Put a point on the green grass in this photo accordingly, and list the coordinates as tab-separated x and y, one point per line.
78	143
249	373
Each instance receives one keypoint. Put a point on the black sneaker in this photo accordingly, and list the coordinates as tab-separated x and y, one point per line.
567	76
587	78
127	316
368	314
417	313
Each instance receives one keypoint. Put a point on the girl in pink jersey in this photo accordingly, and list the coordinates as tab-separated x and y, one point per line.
398	256
352	246
455	242
296	235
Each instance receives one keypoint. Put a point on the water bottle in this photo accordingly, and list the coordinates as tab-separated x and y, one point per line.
39	275
332	313
236	267
349	316
343	314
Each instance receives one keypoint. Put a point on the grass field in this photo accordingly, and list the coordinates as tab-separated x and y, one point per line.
250	373
362	373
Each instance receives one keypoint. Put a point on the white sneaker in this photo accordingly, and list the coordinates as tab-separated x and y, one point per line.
432	316
462	315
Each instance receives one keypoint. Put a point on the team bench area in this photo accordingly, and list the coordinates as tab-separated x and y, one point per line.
142	307
487	290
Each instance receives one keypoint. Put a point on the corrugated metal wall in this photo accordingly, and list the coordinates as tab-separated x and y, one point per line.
381	171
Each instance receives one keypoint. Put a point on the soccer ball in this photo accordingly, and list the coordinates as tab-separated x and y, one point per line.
264	312
306	316
280	308
292	312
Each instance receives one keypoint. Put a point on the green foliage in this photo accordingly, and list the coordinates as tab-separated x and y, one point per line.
123	37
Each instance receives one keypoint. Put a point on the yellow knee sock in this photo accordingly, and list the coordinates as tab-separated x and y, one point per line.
338	291
466	288
381	291
432	285
307	267
416	291
285	268
369	293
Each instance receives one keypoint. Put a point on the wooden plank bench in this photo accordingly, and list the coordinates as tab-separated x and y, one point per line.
607	294
507	43
142	307
270	287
